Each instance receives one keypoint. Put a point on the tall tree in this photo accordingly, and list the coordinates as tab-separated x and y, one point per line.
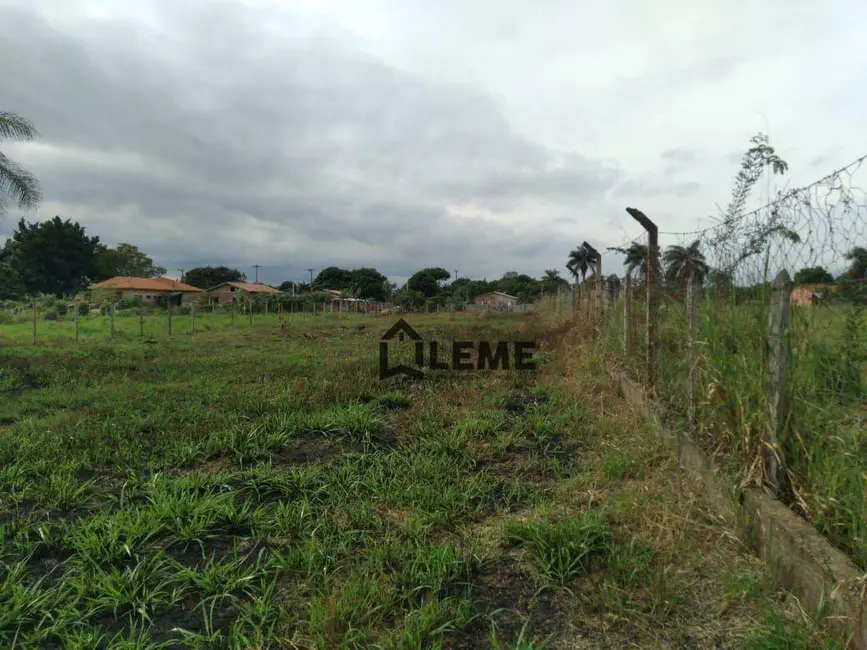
636	258
53	256
206	277
683	261
813	275
427	281
16	183
579	262
333	277
857	258
126	260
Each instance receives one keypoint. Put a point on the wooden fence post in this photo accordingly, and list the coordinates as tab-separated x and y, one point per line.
75	316
111	309
692	344
213	314
250	309
34	322
140	322
778	376
232	311
627	316
651	283
169	321
192	318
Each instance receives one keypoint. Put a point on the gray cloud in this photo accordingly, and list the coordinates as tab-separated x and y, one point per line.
193	132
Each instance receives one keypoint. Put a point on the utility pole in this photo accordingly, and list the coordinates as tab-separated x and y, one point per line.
257	267
311	279
182	274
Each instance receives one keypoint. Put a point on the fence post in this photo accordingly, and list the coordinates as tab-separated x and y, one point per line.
169	321
111	310
692	357
598	288
250	309
778	375
652	292
232	310
34	322
627	316
75	316
140	322
213	314
192	318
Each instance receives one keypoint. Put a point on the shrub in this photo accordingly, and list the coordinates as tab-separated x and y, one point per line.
51	314
83	309
61	308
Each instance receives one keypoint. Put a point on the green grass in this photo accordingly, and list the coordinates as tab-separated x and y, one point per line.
824	439
261	487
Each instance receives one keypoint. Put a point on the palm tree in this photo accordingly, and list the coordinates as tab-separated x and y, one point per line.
15	182
580	261
683	261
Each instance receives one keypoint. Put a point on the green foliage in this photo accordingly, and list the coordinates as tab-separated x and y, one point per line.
813	275
682	262
563	550
11	287
16	183
857	258
125	260
427	282
579	262
207	277
54	256
366	283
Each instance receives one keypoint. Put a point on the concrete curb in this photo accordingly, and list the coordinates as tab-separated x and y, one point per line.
803	560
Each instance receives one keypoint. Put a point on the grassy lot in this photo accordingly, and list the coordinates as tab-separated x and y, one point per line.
826	434
261	487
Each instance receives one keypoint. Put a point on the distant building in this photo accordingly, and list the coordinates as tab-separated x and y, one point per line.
226	292
148	289
496	299
811	294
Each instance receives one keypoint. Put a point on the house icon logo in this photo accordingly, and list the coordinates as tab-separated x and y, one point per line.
401	330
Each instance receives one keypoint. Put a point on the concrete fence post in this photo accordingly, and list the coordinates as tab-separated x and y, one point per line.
651	284
778	375
34	323
627	316
169	319
192	318
691	347
75	316
111	310
141	322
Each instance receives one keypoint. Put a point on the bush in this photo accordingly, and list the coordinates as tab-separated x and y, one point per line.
83	309
51	314
62	308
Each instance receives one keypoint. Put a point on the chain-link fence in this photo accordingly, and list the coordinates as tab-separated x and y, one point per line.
754	333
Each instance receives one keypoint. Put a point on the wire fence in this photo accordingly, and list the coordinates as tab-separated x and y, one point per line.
753	333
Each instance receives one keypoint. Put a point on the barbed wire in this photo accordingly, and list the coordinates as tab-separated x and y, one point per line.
815	225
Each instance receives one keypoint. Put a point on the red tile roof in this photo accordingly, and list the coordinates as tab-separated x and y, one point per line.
144	284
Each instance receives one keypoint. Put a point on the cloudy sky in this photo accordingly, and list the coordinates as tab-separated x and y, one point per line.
478	135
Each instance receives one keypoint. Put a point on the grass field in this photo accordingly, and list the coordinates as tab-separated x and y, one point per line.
825	439
257	487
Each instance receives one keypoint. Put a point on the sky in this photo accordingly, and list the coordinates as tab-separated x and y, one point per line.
480	135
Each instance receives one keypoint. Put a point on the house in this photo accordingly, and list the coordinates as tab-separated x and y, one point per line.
148	289
226	292
496	299
811	294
